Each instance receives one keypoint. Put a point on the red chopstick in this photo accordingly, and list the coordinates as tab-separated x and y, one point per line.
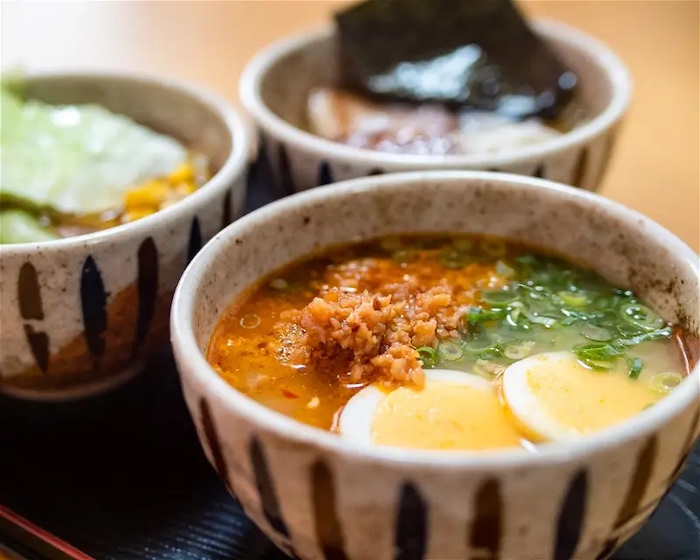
37	539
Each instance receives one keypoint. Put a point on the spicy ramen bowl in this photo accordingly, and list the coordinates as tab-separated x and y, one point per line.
275	86
82	314
317	495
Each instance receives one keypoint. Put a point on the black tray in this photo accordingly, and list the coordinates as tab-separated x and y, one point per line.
122	477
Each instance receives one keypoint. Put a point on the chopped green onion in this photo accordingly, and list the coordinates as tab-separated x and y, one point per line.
627	330
518	349
665	382
546	322
597	365
498	298
512	319
478	315
527	260
599	334
477	345
452	258
502	269
250	321
495	351
449	351
493	247
635	367
428	356
645	337
597	351
641	316
573	299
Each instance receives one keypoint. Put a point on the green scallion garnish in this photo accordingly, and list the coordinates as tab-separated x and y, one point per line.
665	382
635	367
449	351
428	356
641	316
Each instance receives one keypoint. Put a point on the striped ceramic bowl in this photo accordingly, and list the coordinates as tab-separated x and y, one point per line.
82	314
321	497
275	85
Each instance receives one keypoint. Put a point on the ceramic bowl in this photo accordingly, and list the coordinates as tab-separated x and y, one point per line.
275	85
82	314
319	496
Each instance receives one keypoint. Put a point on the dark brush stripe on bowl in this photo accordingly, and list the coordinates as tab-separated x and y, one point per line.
284	172
540	171
147	290
411	524
39	345
31	308
581	168
687	447
325	175
29	293
487	527
640	483
376	171
571	517
328	529
195	241
609	547
93	302
637	489
212	438
227	213
265	486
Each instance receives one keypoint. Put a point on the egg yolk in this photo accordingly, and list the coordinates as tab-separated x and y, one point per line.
443	416
583	400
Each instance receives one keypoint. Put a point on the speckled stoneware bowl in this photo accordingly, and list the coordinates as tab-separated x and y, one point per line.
275	85
82	314
319	496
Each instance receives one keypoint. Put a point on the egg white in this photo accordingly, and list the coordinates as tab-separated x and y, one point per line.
357	417
554	397
524	403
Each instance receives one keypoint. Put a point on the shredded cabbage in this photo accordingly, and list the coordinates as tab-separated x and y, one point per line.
17	226
78	159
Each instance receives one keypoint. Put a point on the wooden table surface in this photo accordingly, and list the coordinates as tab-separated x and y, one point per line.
657	165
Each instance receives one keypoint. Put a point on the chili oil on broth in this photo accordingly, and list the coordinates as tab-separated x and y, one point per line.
553	306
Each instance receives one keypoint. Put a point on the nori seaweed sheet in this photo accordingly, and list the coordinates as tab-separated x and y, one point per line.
477	54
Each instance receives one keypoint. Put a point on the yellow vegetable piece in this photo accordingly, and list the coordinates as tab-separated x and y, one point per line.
151	193
183	174
138	213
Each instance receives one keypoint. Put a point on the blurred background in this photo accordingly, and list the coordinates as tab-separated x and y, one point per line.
656	168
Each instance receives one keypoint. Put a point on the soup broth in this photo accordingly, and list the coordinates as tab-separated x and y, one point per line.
446	342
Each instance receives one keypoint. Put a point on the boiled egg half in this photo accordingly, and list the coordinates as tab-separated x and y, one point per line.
553	396
454	410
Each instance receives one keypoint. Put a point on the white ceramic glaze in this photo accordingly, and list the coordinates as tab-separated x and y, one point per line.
320	496
82	314
275	85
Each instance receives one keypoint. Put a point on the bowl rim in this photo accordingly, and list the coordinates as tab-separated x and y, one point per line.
609	64
233	166
217	389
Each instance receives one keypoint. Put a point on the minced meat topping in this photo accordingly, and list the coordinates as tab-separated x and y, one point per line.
368	330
